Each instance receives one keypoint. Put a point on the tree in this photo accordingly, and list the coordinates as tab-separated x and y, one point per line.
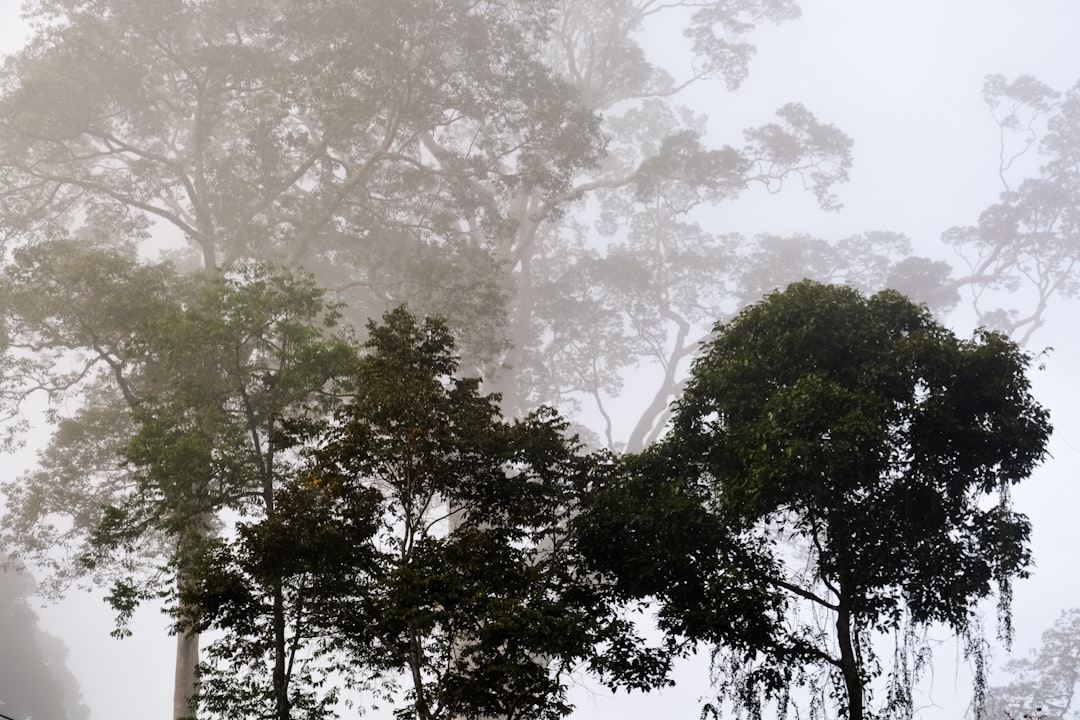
268	588
1025	242
246	356
849	462
34	678
425	542
635	278
72	317
129	117
1045	680
289	132
186	384
134	117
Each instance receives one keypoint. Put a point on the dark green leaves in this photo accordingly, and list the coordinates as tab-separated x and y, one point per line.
859	431
424	544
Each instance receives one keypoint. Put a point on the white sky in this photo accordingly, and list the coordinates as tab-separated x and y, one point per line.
903	78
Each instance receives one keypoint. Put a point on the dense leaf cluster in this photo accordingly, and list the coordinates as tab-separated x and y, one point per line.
328	510
425	543
841	454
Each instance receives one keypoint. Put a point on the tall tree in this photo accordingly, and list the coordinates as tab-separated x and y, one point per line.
244	356
850	461
184	384
435	152
130	117
288	132
636	276
72	315
292	132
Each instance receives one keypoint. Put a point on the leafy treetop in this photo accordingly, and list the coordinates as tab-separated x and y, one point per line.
874	440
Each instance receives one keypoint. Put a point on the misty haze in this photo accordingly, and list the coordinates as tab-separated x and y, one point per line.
530	359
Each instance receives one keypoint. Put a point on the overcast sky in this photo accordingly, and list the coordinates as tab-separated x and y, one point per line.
903	78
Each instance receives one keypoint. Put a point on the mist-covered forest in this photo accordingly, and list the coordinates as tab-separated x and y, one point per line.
538	358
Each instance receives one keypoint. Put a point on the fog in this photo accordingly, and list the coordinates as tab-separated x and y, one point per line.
904	80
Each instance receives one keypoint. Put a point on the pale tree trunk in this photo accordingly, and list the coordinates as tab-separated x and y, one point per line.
186	681
186	676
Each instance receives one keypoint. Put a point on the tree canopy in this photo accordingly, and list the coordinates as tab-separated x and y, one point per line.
846	462
185	386
423	545
429	153
291	133
1023	242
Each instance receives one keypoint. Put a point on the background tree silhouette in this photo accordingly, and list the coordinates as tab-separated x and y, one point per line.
34	678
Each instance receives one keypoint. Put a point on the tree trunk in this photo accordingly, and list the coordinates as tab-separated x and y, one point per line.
282	710
186	680
416	665
849	663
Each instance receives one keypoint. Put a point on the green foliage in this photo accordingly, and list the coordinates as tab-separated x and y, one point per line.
73	315
837	455
240	375
218	375
291	569
424	545
197	395
290	132
654	537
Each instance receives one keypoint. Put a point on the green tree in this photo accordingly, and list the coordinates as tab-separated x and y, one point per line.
1046	679
846	463
185	383
72	316
270	588
245	357
426	545
34	678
